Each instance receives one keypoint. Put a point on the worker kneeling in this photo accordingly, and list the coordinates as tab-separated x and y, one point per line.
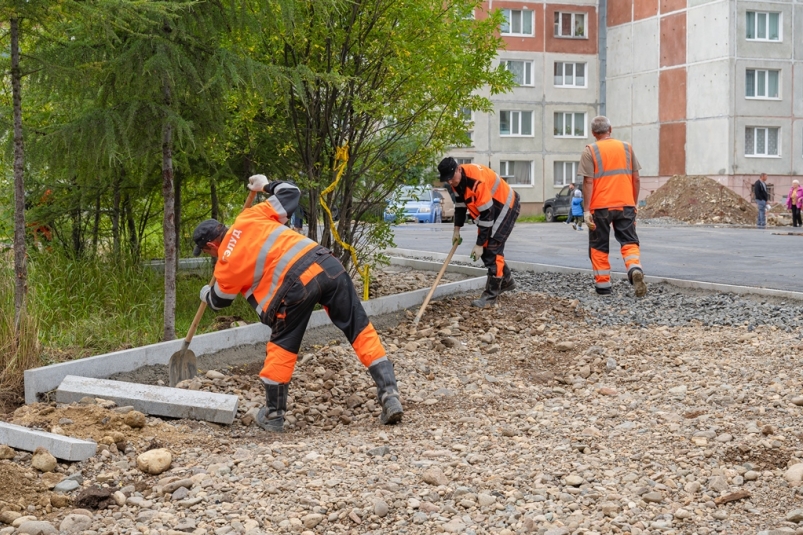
283	275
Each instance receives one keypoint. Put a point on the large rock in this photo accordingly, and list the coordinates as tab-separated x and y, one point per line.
75	523
795	474
311	520
135	419
434	476
36	527
155	462
6	452
43	461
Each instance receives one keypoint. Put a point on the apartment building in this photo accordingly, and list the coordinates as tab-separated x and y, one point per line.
703	87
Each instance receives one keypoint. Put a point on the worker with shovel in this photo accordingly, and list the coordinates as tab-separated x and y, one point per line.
494	206
283	275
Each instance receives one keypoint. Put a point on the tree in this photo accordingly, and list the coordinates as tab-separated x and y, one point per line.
20	253
387	78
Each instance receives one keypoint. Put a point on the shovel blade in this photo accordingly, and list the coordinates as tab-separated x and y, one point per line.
183	366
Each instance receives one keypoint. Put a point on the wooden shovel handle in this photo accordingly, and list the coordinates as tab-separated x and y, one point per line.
435	285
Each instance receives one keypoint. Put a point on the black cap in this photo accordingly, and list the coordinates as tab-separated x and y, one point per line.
205	232
446	168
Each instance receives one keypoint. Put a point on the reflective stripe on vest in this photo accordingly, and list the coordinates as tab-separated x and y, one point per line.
613	174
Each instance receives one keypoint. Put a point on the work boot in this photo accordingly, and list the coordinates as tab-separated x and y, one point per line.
271	416
386	391
637	280
508	284
488	297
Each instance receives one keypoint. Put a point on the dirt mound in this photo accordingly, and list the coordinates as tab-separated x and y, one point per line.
699	199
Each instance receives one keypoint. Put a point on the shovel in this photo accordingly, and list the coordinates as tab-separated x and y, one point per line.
434	285
183	364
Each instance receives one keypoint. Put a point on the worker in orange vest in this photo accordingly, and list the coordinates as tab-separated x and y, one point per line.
283	275
494	205
610	192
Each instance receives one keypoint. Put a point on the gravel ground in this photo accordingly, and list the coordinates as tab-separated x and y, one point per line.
556	413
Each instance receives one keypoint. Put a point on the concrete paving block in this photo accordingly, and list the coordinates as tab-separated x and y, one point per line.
153	400
61	447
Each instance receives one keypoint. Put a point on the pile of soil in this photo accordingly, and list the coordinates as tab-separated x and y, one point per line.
699	200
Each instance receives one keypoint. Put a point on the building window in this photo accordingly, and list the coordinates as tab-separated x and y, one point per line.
570	25
461	161
763	26
761	84
761	141
516	172
517	22
522	71
565	173
568	124
515	123
570	74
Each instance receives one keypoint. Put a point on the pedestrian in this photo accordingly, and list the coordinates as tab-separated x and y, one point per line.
576	211
494	205
298	219
611	185
762	196
794	202
283	275
571	198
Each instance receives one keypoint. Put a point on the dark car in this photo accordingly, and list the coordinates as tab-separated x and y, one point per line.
560	204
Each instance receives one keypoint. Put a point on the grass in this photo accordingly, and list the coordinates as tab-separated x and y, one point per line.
532	219
79	308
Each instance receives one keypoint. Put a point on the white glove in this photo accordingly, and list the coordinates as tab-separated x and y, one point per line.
205	293
476	253
589	219
456	239
257	182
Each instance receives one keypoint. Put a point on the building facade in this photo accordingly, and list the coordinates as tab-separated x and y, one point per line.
699	87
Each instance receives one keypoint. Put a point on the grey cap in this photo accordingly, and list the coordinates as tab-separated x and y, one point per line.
207	231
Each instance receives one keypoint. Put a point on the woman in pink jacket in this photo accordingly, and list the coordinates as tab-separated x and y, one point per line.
794	201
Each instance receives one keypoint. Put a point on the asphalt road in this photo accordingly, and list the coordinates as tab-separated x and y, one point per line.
748	257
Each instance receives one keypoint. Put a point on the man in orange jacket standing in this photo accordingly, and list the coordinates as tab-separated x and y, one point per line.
494	205
610	193
283	275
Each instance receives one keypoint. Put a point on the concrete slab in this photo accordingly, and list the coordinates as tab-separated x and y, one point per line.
47	378
61	447
153	400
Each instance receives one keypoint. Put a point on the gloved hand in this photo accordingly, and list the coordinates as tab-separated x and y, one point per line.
257	182
589	219
476	252
456	239
205	293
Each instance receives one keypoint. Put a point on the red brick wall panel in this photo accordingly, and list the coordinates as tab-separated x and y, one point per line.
672	149
620	12
667	6
672	95
643	9
673	40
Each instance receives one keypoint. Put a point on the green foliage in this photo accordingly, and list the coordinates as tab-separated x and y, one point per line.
541	218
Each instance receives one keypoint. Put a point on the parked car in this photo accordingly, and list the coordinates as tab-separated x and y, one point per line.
447	203
418	203
560	204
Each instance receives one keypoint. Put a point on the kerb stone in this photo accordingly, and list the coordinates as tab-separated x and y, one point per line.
153	400
61	447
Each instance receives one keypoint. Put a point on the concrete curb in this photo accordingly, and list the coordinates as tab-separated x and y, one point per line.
47	378
153	400
61	447
414	256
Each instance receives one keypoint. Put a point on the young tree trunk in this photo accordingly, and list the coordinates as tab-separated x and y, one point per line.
214	200
131	225
20	253
115	215
169	226
96	225
75	215
177	184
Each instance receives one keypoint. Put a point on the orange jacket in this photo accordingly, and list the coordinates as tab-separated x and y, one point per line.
259	257
483	193
613	174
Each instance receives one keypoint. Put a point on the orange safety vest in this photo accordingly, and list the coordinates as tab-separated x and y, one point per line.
259	257
613	174
486	196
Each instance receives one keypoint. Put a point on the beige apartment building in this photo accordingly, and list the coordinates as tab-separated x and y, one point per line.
702	87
